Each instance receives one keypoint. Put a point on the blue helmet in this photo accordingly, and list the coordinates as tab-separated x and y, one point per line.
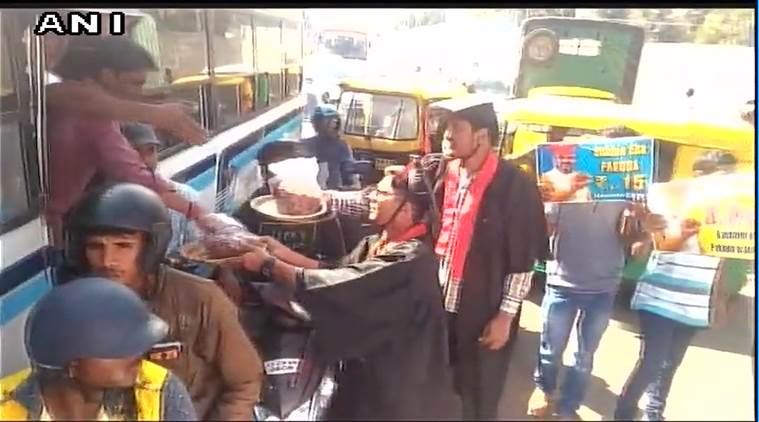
90	318
324	111
120	206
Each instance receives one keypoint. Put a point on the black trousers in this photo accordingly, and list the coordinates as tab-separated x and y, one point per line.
479	373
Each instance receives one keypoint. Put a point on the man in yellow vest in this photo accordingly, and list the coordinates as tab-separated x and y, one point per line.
86	341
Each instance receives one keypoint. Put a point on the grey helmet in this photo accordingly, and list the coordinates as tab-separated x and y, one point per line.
90	318
120	206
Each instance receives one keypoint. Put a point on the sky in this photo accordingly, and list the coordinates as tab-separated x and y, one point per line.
373	20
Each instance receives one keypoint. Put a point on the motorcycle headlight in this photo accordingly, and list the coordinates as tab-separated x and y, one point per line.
310	410
263	414
302	413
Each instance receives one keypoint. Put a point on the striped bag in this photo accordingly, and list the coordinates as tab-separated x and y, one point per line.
680	286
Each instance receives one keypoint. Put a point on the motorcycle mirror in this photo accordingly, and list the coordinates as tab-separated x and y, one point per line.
363	168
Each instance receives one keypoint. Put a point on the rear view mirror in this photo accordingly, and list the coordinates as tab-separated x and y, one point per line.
363	168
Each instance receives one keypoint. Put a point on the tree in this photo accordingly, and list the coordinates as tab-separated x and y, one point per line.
727	26
531	13
622	14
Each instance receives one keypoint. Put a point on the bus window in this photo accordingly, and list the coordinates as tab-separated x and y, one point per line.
292	49
376	115
176	39
19	184
268	57
232	58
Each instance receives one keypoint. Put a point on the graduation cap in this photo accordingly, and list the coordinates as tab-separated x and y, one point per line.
476	109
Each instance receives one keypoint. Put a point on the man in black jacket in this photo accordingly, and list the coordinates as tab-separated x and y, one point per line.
379	310
492	231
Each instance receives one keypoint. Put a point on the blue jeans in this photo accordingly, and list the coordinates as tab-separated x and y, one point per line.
662	348
559	310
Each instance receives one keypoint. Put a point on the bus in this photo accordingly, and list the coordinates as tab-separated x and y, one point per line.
239	69
351	44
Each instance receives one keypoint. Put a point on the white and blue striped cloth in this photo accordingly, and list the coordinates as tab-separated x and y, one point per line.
679	286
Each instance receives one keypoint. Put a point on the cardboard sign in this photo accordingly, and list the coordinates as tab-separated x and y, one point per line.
598	170
723	205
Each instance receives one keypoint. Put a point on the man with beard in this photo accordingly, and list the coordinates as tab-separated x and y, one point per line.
492	231
563	182
122	232
379	310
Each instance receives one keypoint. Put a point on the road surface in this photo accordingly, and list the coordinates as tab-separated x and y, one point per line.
713	383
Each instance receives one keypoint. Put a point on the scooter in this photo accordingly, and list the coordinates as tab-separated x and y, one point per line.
298	385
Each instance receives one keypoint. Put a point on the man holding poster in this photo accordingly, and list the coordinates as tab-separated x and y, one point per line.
684	289
588	244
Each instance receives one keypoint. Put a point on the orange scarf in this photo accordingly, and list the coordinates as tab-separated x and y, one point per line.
456	233
383	243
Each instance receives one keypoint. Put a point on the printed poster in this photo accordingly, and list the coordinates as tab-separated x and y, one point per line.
598	170
723	206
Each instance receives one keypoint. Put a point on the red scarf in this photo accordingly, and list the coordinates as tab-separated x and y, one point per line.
458	236
412	233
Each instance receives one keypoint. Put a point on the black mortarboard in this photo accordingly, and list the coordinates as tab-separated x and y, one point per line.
475	109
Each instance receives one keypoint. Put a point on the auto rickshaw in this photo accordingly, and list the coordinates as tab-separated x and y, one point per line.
234	87
681	136
384	119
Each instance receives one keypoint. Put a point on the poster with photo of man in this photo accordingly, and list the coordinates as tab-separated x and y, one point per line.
599	170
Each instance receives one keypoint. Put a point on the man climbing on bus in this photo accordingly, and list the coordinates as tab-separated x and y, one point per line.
86	341
121	232
91	101
82	147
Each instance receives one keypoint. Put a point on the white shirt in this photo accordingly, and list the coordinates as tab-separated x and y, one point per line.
563	182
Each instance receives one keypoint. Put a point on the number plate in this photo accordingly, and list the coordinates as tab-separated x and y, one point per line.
281	366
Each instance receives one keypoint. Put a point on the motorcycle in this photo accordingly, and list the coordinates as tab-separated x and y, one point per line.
298	385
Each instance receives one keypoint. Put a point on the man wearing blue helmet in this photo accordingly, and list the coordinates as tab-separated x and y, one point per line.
332	154
121	232
86	341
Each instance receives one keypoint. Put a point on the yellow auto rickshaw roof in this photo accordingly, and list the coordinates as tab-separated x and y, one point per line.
417	87
571	91
218	79
683	126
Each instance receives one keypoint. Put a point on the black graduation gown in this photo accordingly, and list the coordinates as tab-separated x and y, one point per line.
509	236
384	317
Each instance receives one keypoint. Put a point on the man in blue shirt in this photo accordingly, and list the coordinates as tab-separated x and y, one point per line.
588	250
332	154
144	140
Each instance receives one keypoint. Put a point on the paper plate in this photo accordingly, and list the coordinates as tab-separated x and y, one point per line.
267	205
198	253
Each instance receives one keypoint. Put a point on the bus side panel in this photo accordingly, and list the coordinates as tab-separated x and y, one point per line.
14	308
201	177
240	166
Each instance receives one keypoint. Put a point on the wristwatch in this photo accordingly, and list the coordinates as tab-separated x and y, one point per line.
267	267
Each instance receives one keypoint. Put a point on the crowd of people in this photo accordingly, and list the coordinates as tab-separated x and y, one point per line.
423	315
